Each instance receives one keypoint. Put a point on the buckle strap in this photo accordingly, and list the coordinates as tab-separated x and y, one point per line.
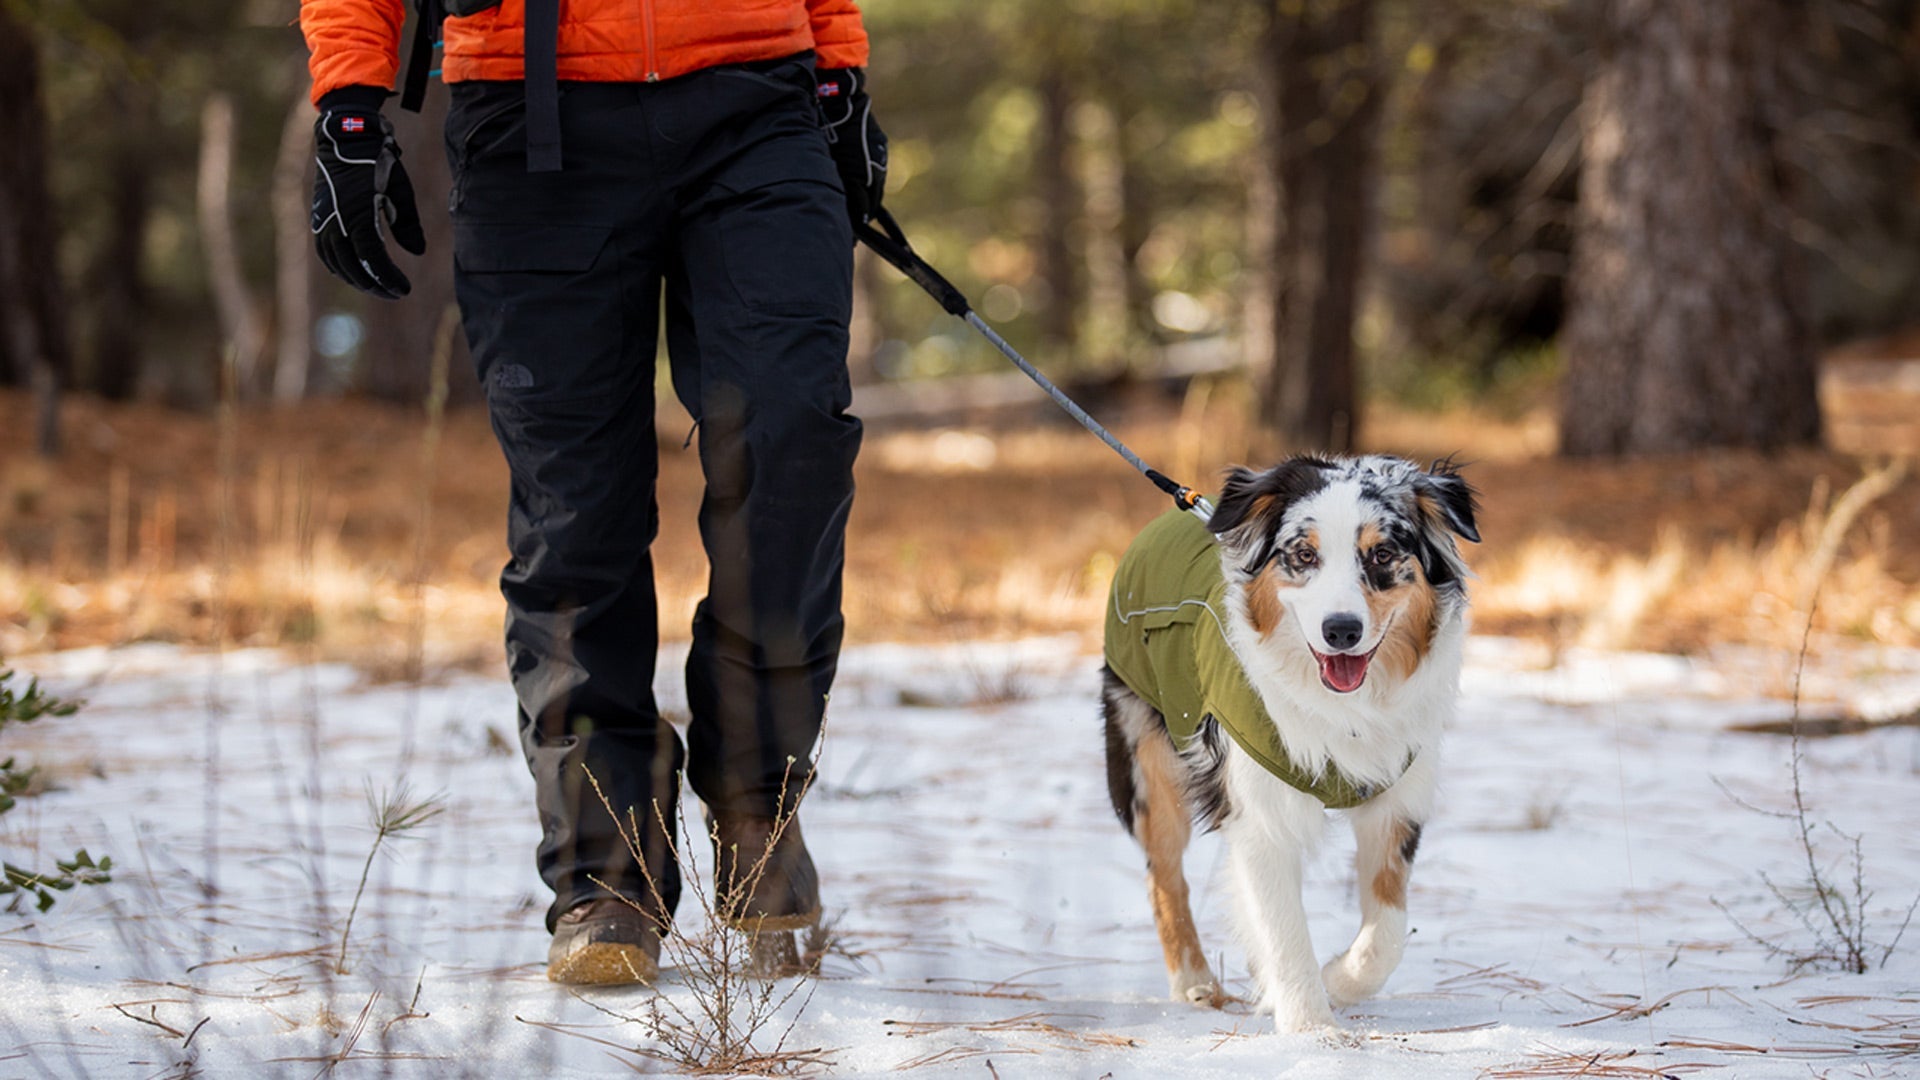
542	49
426	28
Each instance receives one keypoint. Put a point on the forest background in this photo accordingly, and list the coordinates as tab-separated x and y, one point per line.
1652	269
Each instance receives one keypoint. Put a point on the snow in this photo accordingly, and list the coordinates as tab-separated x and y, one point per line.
990	913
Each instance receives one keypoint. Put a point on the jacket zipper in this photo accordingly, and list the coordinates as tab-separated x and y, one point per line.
646	25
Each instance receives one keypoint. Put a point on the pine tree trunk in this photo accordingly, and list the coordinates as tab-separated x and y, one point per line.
1103	324
33	328
118	312
1329	93
240	320
293	253
1058	196
1689	325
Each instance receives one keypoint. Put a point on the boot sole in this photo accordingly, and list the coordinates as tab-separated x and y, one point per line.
605	964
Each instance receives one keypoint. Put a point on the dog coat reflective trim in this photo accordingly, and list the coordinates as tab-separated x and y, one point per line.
1166	639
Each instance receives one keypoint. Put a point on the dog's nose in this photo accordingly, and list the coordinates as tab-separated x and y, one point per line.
1341	631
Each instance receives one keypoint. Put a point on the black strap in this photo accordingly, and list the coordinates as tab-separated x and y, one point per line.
426	30
542	48
892	246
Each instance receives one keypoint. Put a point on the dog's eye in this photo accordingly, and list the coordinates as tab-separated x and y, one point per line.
1305	557
1383	555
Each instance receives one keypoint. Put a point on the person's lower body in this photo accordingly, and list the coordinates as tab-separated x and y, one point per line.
717	191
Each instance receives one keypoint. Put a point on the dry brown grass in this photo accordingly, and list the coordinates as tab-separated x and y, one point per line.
957	534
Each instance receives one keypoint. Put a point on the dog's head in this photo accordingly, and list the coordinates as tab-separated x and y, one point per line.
1355	555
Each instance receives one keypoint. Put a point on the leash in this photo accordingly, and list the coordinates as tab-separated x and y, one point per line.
890	243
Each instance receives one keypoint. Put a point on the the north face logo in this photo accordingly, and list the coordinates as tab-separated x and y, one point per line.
513	377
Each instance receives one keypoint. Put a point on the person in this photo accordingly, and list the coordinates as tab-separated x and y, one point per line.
611	160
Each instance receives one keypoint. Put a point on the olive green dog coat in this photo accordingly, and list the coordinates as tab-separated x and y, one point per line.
1166	639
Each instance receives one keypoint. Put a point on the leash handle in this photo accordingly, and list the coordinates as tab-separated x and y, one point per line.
891	245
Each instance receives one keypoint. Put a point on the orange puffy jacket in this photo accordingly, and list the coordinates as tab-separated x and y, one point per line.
357	42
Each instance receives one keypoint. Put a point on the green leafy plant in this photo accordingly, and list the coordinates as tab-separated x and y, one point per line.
19	883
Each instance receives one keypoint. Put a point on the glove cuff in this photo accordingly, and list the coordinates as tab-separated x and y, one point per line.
354	98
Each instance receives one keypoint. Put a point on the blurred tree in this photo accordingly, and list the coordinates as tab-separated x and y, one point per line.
1690	324
1053	167
33	329
1857	142
241	326
1328	85
1106	178
122	45
1479	184
118	274
293	251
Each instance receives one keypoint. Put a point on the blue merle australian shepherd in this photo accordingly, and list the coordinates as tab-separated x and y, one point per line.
1299	652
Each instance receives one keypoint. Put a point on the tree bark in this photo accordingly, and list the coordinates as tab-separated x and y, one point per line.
33	329
1689	325
118	312
1103	326
1059	196
240	320
293	253
1328	94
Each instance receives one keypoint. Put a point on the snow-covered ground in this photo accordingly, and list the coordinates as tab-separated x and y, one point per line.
990	914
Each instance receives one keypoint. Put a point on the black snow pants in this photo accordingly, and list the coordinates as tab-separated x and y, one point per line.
711	195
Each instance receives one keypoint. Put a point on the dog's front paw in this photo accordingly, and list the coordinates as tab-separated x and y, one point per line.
1340	1038
1304	1014
1197	988
1348	982
1319	1025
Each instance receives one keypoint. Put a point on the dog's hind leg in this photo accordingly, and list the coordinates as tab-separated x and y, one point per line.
1145	778
1163	829
1387	834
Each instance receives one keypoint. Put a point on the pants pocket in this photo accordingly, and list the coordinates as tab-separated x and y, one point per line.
543	311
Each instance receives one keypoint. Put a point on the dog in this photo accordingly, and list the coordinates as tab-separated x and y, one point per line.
1300	651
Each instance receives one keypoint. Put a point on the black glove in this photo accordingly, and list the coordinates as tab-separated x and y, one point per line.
360	191
859	146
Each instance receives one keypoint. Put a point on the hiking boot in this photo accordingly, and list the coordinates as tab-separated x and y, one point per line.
764	884
604	942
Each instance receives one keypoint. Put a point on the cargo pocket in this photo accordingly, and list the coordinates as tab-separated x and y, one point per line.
543	311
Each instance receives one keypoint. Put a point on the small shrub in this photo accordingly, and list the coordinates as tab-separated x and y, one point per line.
19	883
733	1023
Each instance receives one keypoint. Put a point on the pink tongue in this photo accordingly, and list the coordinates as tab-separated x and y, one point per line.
1343	673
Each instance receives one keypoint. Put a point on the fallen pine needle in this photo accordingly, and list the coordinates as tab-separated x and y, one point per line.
1551	1062
1634	1010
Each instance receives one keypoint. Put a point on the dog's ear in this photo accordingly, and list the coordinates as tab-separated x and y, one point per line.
1258	498
1445	498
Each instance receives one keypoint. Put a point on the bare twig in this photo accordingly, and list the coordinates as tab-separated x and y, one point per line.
733	1002
396	814
1835	917
152	1019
